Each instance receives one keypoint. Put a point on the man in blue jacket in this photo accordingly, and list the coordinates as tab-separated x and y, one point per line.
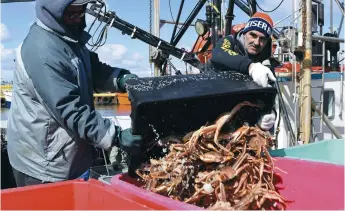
53	125
248	52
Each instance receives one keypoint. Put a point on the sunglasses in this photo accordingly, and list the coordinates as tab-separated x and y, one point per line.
74	15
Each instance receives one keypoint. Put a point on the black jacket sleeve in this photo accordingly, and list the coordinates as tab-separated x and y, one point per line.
104	76
225	56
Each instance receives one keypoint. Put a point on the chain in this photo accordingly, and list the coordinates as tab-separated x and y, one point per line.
150	16
150	23
304	23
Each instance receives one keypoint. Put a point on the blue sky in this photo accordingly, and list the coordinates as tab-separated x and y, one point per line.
120	50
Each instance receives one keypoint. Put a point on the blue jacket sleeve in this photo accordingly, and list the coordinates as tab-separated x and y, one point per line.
56	82
224	56
105	77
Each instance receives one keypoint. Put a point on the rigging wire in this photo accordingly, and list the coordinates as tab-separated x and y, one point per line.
244	3
110	18
268	11
102	36
172	17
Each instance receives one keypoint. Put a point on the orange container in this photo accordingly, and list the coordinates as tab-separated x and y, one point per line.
123	110
123	99
69	195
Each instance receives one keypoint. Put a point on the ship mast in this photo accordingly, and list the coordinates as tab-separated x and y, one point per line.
306	71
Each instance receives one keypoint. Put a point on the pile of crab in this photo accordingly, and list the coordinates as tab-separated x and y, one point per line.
217	170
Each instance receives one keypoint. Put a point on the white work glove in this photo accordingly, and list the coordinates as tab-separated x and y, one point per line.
261	74
267	121
266	63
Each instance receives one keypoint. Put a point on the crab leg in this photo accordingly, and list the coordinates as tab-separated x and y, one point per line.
226	118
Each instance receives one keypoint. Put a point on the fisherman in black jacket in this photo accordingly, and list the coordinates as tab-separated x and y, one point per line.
248	52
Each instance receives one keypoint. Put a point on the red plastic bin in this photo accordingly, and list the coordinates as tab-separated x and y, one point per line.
129	187
312	185
68	195
309	185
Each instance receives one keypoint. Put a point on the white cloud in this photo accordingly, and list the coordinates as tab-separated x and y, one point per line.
7	62
6	75
117	55
142	70
130	63
111	53
137	56
139	68
6	53
4	33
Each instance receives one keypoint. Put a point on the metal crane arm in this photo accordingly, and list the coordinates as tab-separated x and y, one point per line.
113	20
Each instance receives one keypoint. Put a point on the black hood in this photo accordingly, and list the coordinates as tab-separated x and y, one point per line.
50	13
